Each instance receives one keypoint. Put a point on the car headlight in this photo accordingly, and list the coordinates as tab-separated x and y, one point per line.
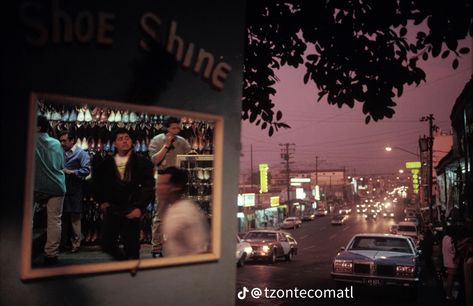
248	250
343	266
405	270
265	248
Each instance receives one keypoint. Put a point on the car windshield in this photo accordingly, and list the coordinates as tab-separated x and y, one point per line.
290	219
381	244
337	217
405	228
260	236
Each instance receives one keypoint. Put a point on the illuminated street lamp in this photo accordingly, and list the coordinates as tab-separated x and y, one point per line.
389	149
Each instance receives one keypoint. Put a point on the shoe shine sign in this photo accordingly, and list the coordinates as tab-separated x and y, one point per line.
53	24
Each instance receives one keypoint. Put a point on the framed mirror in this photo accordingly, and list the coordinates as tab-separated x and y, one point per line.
93	125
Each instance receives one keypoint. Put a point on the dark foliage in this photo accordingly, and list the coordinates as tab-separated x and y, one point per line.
359	50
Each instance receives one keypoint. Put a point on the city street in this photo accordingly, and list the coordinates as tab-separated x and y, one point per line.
318	243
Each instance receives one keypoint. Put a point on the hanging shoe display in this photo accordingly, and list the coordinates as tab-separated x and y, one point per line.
111	117
65	116
118	116
73	116
81	115
133	117
126	117
87	115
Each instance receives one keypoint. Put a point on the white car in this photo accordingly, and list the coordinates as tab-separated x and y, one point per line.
338	219
271	244
243	251
407	228
291	222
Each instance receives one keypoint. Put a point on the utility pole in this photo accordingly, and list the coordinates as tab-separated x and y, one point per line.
430	118
287	153
316	170
251	167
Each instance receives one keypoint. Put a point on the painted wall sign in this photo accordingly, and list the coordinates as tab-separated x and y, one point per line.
55	25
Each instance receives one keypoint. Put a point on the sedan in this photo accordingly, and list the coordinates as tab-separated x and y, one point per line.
291	222
243	251
321	212
308	217
271	244
338	219
377	260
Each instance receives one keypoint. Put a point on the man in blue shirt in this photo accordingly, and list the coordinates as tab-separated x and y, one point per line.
49	186
76	169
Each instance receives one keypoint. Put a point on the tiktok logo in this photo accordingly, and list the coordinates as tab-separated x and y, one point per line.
242	294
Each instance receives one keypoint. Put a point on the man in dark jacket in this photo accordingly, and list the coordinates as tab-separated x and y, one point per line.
123	186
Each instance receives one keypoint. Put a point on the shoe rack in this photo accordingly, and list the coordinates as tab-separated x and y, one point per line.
200	183
94	127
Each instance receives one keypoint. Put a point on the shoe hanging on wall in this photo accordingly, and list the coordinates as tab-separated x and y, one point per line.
133	117
56	116
104	115
73	116
111	117
126	117
85	145
87	115
66	115
118	116
81	115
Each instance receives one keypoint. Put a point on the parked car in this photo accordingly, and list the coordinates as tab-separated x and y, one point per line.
291	222
377	260
408	228
271	244
308	217
338	219
321	212
243	251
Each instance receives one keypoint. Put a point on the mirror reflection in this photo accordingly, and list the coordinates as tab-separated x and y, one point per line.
114	182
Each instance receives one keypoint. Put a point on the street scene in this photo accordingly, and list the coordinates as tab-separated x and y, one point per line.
318	242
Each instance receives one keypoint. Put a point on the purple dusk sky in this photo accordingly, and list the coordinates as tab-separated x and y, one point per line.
339	136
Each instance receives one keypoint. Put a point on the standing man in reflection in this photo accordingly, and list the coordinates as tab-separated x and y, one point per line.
123	186
184	225
163	150
49	186
76	169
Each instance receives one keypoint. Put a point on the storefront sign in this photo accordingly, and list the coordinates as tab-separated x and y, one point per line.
263	177
249	199
274	201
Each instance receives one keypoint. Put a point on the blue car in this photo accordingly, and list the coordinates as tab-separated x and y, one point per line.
377	260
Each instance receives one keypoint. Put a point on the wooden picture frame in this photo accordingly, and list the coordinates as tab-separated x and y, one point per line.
29	270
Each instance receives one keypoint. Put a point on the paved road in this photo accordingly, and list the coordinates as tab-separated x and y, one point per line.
319	242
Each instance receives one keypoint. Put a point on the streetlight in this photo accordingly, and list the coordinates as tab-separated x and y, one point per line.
389	149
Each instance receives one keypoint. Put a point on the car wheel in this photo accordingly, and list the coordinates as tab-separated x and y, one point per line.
242	260
272	257
290	256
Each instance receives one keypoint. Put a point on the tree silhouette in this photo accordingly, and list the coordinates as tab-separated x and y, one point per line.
360	50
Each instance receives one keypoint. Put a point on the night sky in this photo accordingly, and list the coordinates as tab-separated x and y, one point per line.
340	137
